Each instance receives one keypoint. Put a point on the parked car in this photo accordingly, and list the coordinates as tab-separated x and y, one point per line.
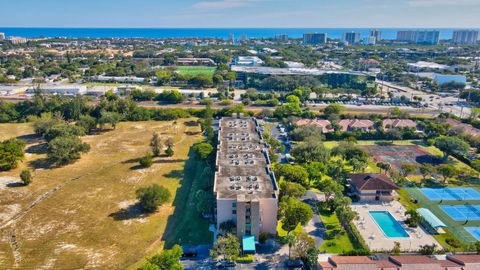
226	264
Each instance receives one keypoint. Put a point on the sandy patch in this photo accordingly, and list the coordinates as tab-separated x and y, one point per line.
7	212
5	180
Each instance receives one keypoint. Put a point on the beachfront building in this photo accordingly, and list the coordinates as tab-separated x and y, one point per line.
465	36
245	187
371	187
351	38
314	38
426	37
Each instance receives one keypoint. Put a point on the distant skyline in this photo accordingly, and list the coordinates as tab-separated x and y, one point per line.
241	13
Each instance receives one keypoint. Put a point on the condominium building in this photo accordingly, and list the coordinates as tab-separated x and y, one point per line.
465	36
281	37
406	36
351	38
427	37
377	34
245	187
2	36
314	38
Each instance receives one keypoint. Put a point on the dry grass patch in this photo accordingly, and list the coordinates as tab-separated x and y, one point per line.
86	215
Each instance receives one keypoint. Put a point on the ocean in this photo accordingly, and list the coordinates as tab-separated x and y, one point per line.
223	33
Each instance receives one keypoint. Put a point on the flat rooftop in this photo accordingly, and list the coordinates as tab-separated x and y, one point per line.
243	166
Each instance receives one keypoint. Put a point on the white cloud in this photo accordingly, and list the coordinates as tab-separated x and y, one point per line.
222	4
433	3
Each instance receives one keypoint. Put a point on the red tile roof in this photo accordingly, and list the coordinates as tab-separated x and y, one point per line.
351	260
399	123
372	181
346	124
465	258
412	259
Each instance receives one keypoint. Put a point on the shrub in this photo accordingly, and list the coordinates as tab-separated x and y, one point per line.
146	161
26	177
453	242
153	196
245	259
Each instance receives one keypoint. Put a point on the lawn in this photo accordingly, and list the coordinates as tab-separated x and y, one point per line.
85	215
337	239
196	70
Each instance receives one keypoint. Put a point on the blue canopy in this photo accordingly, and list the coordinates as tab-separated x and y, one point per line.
248	243
430	218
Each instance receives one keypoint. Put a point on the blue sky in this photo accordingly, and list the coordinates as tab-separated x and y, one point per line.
240	13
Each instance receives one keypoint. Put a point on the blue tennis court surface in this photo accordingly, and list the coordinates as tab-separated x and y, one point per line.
462	212
474	231
451	194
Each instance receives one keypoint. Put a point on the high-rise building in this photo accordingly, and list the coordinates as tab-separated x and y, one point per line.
231	38
281	37
351	38
371	40
377	34
314	38
465	36
245	187
244	37
406	36
2	36
427	37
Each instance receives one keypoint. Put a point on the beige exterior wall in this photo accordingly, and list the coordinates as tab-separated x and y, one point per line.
371	195
224	211
268	215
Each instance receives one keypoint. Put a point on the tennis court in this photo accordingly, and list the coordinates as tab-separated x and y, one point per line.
474	231
451	194
462	212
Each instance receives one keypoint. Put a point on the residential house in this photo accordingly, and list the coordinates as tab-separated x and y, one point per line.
356	124
398	123
325	125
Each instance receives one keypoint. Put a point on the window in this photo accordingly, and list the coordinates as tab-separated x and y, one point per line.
234	212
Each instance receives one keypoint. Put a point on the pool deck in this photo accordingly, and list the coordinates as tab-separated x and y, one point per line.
374	236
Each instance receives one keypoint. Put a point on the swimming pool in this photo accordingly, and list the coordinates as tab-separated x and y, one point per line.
388	224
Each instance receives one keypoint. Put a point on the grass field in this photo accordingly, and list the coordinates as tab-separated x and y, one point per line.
337	239
196	70
85	215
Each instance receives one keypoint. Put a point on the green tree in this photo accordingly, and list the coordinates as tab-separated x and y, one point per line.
87	122
152	197
171	96
110	118
292	189
226	246
447	171
451	145
63	130
292	173
333	109
156	144
384	166
331	189
203	150
311	151
66	149
413	218
163	77
426	169
26	177
302	245
12	151
407	169
170	144
295	212
168	259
